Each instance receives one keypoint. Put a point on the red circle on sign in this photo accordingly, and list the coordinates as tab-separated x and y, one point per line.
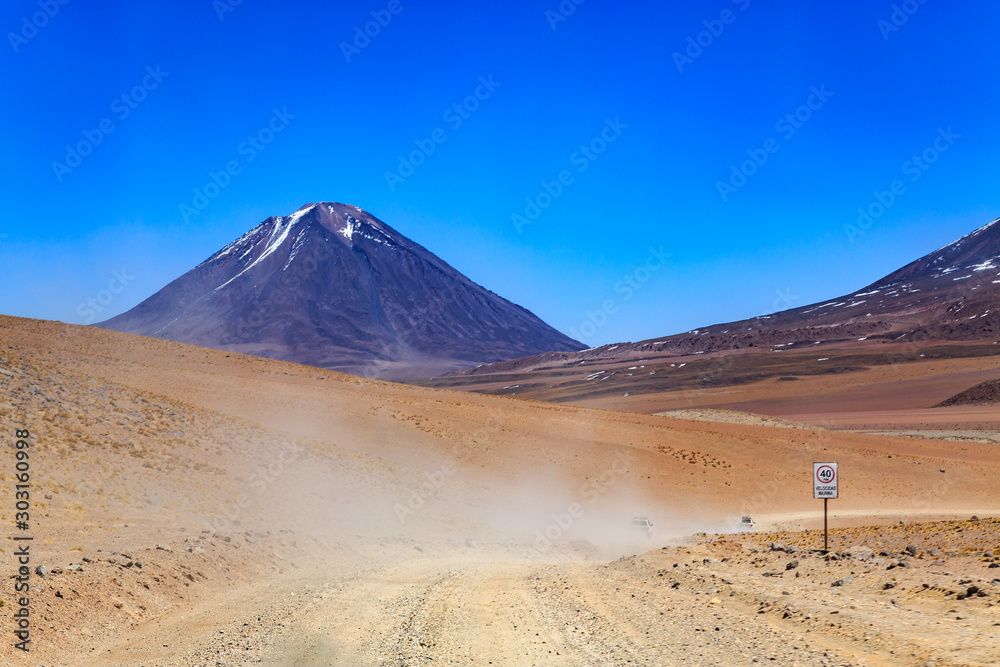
821	469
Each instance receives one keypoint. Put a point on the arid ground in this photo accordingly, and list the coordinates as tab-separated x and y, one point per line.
196	507
869	385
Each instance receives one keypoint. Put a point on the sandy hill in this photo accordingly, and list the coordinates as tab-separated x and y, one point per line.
182	492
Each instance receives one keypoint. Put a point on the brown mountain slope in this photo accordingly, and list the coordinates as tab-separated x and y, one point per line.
944	306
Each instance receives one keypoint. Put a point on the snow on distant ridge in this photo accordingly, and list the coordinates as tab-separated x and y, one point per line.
350	227
282	226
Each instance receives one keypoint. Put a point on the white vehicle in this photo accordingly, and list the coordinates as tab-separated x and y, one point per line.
643	523
746	523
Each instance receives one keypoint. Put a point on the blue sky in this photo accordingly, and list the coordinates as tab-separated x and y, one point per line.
643	110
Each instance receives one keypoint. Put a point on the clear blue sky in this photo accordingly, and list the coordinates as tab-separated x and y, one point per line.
206	84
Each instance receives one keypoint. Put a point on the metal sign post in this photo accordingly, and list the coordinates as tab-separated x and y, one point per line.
825	479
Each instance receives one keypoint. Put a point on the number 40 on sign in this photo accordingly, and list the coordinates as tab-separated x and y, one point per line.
825	480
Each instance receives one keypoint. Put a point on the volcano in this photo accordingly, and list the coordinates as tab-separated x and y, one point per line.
332	286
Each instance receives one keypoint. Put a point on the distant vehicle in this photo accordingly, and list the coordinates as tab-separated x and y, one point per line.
643	523
746	523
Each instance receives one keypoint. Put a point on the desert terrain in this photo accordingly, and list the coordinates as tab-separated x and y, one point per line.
866	385
201	507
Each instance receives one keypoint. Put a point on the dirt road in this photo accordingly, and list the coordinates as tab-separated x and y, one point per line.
725	600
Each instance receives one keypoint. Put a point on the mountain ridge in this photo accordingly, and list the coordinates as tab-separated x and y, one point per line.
952	293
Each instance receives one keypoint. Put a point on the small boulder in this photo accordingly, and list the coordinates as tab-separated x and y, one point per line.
792	564
911	549
41	570
841	582
861	553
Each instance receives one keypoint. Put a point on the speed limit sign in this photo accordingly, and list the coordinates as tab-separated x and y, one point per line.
825	480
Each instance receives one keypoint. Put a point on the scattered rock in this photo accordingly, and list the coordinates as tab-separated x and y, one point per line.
792	564
778	546
841	582
41	570
861	553
163	547
911	549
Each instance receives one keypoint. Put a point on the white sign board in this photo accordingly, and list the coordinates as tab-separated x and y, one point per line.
825	478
